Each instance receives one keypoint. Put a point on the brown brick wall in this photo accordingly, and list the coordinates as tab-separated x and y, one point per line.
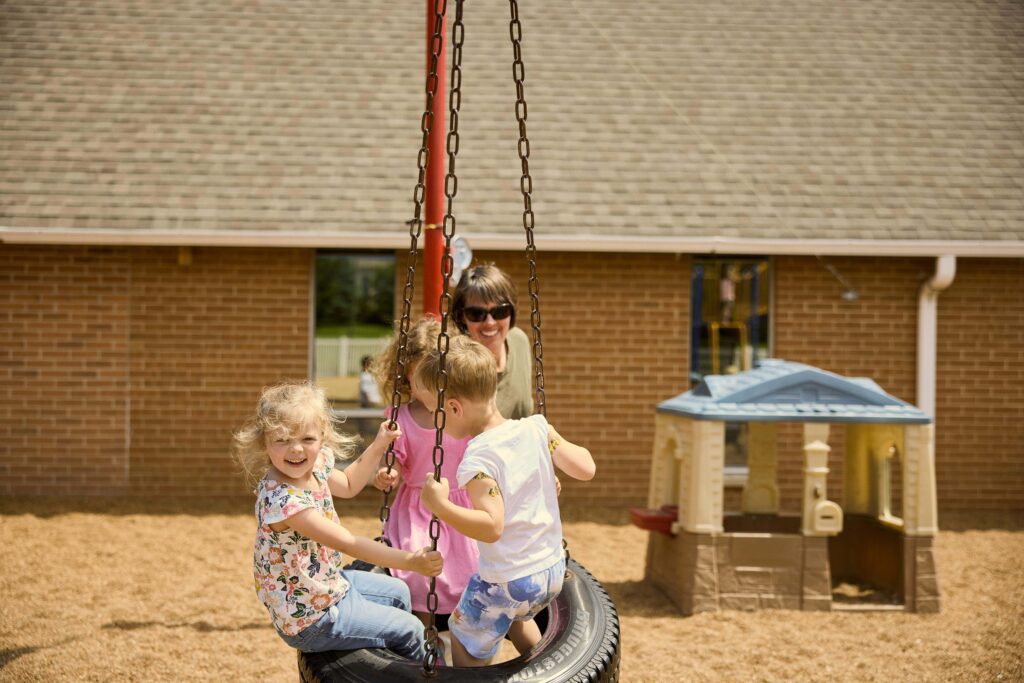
874	336
206	338
94	339
980	387
614	329
64	346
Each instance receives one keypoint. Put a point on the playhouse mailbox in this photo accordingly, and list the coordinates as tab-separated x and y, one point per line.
827	517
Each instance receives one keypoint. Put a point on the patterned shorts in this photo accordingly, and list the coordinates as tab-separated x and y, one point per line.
486	610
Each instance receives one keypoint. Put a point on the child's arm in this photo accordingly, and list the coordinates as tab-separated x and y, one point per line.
574	460
485	522
312	524
349	482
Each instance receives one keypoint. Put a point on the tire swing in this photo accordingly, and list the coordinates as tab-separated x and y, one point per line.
580	628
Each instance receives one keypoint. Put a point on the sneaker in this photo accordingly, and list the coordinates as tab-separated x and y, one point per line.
442	654
443	647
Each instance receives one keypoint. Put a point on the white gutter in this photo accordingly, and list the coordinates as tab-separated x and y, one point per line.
398	238
927	330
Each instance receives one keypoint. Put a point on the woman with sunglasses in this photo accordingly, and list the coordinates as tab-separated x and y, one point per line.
484	307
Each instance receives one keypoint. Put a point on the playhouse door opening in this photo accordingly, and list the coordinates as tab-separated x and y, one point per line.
866	563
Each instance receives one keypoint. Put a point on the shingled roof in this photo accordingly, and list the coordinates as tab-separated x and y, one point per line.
874	127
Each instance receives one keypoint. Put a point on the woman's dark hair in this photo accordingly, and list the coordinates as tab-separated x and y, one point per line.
487	283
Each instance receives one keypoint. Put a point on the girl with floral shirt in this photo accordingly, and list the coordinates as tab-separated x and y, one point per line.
314	602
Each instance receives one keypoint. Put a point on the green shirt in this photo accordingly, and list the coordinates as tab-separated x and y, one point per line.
515	390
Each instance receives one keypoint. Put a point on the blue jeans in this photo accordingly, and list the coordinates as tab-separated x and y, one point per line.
375	612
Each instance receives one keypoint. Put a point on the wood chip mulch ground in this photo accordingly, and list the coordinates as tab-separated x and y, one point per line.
128	591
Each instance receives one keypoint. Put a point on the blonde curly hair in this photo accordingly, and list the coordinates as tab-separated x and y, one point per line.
422	339
283	409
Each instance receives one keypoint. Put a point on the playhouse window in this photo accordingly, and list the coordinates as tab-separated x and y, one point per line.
735	453
890	508
354	308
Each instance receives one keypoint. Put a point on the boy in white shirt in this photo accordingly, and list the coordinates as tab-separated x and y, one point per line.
508	473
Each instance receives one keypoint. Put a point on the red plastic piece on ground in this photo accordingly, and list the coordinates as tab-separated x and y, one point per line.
651	519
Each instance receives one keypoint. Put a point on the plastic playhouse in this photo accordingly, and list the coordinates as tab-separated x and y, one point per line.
705	560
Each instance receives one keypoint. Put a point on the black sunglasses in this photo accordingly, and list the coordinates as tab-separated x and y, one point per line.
476	314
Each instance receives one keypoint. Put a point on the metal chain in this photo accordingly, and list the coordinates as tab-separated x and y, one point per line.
515	30
451	187
415	228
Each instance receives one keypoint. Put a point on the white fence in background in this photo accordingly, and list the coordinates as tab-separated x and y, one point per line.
340	356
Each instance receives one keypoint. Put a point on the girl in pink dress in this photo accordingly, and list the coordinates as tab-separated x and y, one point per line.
408	525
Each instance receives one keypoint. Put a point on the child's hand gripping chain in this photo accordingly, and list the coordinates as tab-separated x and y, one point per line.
387	480
485	522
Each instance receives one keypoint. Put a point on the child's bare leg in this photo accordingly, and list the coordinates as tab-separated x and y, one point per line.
460	657
524	635
423	617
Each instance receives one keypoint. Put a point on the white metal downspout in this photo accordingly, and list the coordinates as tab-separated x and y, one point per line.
927	331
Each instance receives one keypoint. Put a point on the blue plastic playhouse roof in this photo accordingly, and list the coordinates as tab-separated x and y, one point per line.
781	391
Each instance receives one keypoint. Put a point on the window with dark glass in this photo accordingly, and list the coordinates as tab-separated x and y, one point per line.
729	329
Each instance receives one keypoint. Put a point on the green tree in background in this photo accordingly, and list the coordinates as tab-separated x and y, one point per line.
356	291
377	305
336	300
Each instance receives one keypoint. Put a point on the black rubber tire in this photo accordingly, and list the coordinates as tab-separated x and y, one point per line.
580	644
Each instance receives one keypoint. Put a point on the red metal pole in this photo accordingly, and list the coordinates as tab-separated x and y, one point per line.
433	237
